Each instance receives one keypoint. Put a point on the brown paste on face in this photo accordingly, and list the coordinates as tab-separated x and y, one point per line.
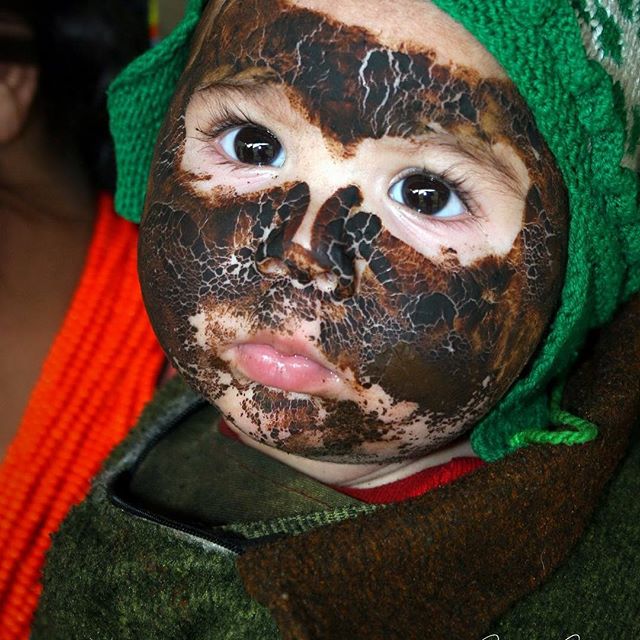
447	337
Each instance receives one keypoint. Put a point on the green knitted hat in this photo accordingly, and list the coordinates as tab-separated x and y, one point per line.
577	64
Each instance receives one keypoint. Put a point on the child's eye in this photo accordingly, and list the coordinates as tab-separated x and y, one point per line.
253	145
428	195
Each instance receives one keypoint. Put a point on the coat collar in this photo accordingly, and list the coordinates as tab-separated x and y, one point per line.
458	557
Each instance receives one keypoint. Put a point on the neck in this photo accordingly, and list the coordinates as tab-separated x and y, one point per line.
363	476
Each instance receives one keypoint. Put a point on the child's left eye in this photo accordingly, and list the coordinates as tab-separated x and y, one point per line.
249	144
428	195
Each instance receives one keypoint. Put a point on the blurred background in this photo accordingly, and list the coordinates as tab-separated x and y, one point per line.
170	12
56	157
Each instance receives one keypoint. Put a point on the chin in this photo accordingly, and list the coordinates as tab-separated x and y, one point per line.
355	447
325	429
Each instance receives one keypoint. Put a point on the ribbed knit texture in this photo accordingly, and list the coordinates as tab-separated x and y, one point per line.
100	371
580	115
138	100
583	116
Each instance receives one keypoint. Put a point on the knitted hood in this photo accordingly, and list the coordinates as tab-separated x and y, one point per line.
577	64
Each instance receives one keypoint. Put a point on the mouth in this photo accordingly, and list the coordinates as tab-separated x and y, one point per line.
282	363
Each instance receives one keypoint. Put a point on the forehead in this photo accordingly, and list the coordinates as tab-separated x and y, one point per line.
394	24
404	77
414	24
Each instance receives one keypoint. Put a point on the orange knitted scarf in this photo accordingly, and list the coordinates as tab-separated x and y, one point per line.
100	371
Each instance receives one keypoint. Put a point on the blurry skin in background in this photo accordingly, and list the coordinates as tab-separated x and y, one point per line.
55	64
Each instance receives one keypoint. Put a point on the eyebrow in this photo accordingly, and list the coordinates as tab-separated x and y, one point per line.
482	153
247	81
255	82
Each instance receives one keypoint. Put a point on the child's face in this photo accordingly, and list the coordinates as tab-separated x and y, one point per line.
354	236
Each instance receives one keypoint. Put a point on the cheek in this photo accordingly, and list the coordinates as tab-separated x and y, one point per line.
194	253
463	334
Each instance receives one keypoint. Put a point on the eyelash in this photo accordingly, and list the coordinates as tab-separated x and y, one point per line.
455	177
227	119
221	121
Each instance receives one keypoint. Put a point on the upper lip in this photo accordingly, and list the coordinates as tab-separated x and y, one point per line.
286	345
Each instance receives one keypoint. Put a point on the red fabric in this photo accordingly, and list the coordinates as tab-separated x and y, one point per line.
417	484
100	371
226	431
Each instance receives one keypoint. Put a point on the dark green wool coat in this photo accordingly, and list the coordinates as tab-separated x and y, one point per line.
541	545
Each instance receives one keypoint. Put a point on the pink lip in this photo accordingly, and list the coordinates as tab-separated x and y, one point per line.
282	363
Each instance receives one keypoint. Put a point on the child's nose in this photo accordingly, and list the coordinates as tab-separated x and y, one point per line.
313	246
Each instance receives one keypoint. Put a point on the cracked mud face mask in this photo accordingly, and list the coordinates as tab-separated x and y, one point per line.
352	243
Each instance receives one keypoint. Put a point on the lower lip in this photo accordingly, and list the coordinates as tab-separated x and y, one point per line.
266	365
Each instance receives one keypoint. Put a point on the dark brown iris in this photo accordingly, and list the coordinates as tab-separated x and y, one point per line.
254	145
425	194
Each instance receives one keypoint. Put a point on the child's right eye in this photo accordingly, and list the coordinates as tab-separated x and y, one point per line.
249	144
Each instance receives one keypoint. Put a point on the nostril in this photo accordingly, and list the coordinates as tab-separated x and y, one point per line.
269	255
303	270
323	254
272	267
302	261
327	282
